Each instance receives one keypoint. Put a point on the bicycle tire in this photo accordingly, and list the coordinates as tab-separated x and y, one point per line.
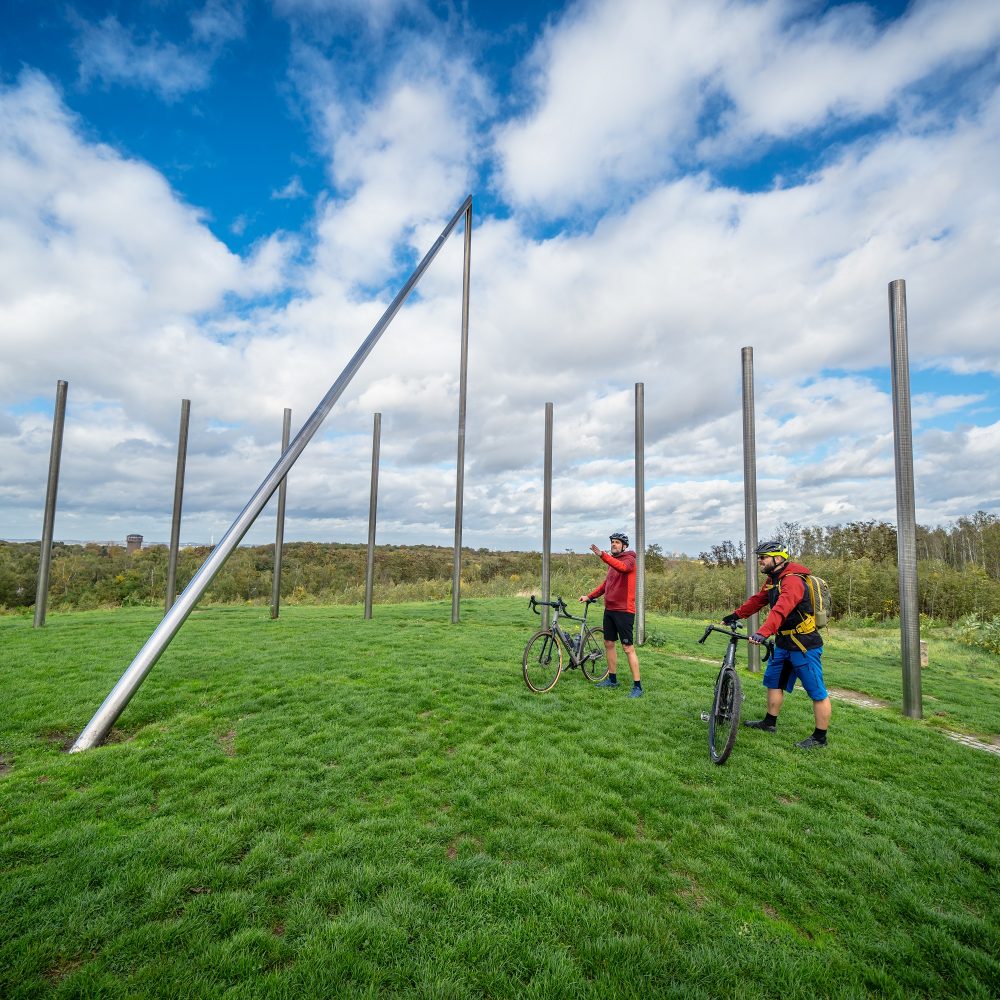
725	717
540	673
594	662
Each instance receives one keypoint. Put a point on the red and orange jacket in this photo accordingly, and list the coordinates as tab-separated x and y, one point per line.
619	585
785	592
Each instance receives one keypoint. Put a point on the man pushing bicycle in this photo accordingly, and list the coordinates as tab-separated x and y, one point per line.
798	643
619	609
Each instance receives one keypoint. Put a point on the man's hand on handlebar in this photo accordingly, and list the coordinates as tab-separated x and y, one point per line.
730	620
758	638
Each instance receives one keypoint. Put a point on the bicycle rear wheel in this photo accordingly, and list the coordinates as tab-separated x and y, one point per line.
725	717
594	662
542	662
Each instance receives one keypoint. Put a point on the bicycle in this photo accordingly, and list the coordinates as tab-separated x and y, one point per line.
724	719
542	663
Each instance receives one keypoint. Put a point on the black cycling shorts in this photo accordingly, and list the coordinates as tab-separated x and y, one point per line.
618	625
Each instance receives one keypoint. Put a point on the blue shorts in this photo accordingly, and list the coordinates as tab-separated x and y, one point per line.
788	665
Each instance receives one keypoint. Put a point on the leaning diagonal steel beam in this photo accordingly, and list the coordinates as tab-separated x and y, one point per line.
106	716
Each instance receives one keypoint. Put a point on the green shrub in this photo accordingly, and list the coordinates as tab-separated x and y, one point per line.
975	630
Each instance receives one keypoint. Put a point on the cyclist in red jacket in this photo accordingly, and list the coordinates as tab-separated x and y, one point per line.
619	609
798	643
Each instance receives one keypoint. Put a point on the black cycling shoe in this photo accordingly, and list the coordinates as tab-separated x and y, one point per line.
761	724
810	743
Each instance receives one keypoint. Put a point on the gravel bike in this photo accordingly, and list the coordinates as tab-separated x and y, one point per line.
724	719
542	663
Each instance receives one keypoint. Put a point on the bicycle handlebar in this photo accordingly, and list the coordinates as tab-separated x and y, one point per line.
559	604
734	633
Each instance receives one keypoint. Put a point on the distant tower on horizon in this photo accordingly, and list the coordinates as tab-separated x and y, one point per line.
132	544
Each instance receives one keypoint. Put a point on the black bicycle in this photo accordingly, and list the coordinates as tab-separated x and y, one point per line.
542	663
724	719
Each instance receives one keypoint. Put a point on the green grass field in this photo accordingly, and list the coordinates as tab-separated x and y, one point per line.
324	806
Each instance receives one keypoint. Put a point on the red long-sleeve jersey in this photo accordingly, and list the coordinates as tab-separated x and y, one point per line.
791	590
619	585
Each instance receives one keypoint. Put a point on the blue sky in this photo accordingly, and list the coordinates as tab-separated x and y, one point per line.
216	200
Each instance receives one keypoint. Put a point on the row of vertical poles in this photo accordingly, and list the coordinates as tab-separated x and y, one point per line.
48	523
372	510
750	499
640	514
279	531
547	514
906	522
463	379
906	531
41	600
175	523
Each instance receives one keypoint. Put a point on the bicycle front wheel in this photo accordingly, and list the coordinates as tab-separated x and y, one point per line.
542	661
594	662
725	717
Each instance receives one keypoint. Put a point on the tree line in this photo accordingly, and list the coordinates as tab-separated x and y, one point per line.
970	543
958	571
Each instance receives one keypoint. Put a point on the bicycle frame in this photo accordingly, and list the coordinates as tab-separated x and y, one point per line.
572	644
542	660
724	718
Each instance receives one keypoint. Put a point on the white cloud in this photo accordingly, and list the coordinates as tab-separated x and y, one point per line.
622	89
293	189
377	15
108	279
397	163
110	54
219	22
99	253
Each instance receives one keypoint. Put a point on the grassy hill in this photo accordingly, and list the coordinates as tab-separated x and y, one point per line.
324	806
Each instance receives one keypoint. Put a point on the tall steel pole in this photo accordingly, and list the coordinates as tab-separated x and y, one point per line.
100	725
175	521
372	509
906	522
547	515
279	530
48	523
750	499
463	379
640	514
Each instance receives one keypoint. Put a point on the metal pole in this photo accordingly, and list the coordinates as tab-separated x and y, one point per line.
906	526
547	514
372	507
463	379
48	524
640	514
750	500
105	717
279	531
175	524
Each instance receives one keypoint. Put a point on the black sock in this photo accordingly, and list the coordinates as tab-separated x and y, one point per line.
612	676
637	684
819	735
770	720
